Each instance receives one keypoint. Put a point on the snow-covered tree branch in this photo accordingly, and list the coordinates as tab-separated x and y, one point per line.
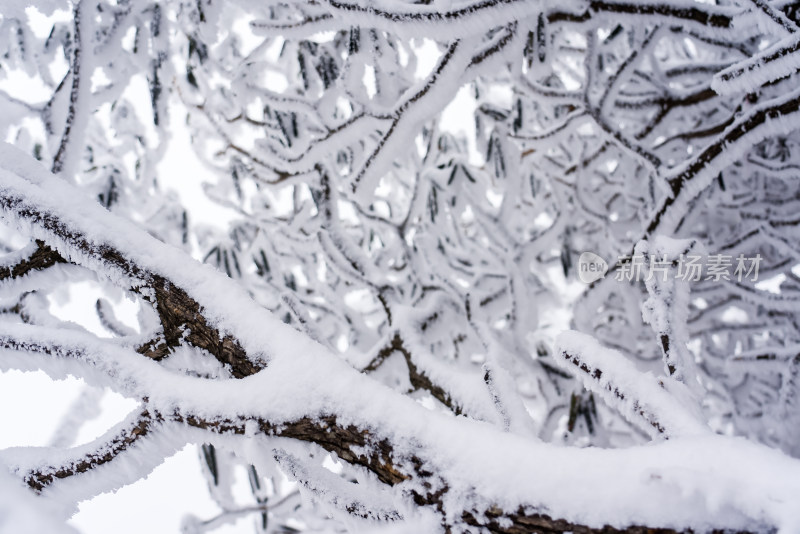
459	266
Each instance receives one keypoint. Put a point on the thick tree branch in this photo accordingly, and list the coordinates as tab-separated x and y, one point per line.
181	316
387	450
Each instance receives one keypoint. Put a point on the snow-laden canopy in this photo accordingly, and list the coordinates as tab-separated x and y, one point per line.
381	301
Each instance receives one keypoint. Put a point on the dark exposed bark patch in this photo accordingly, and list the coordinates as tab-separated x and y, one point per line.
40	260
182	320
526	522
418	378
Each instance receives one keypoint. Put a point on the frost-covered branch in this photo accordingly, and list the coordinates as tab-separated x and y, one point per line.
406	194
80	67
40	478
644	399
771	118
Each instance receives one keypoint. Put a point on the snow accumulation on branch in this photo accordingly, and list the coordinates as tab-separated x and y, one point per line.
409	190
305	393
686	182
646	400
773	117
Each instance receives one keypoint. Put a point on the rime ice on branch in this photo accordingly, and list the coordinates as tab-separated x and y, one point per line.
409	187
